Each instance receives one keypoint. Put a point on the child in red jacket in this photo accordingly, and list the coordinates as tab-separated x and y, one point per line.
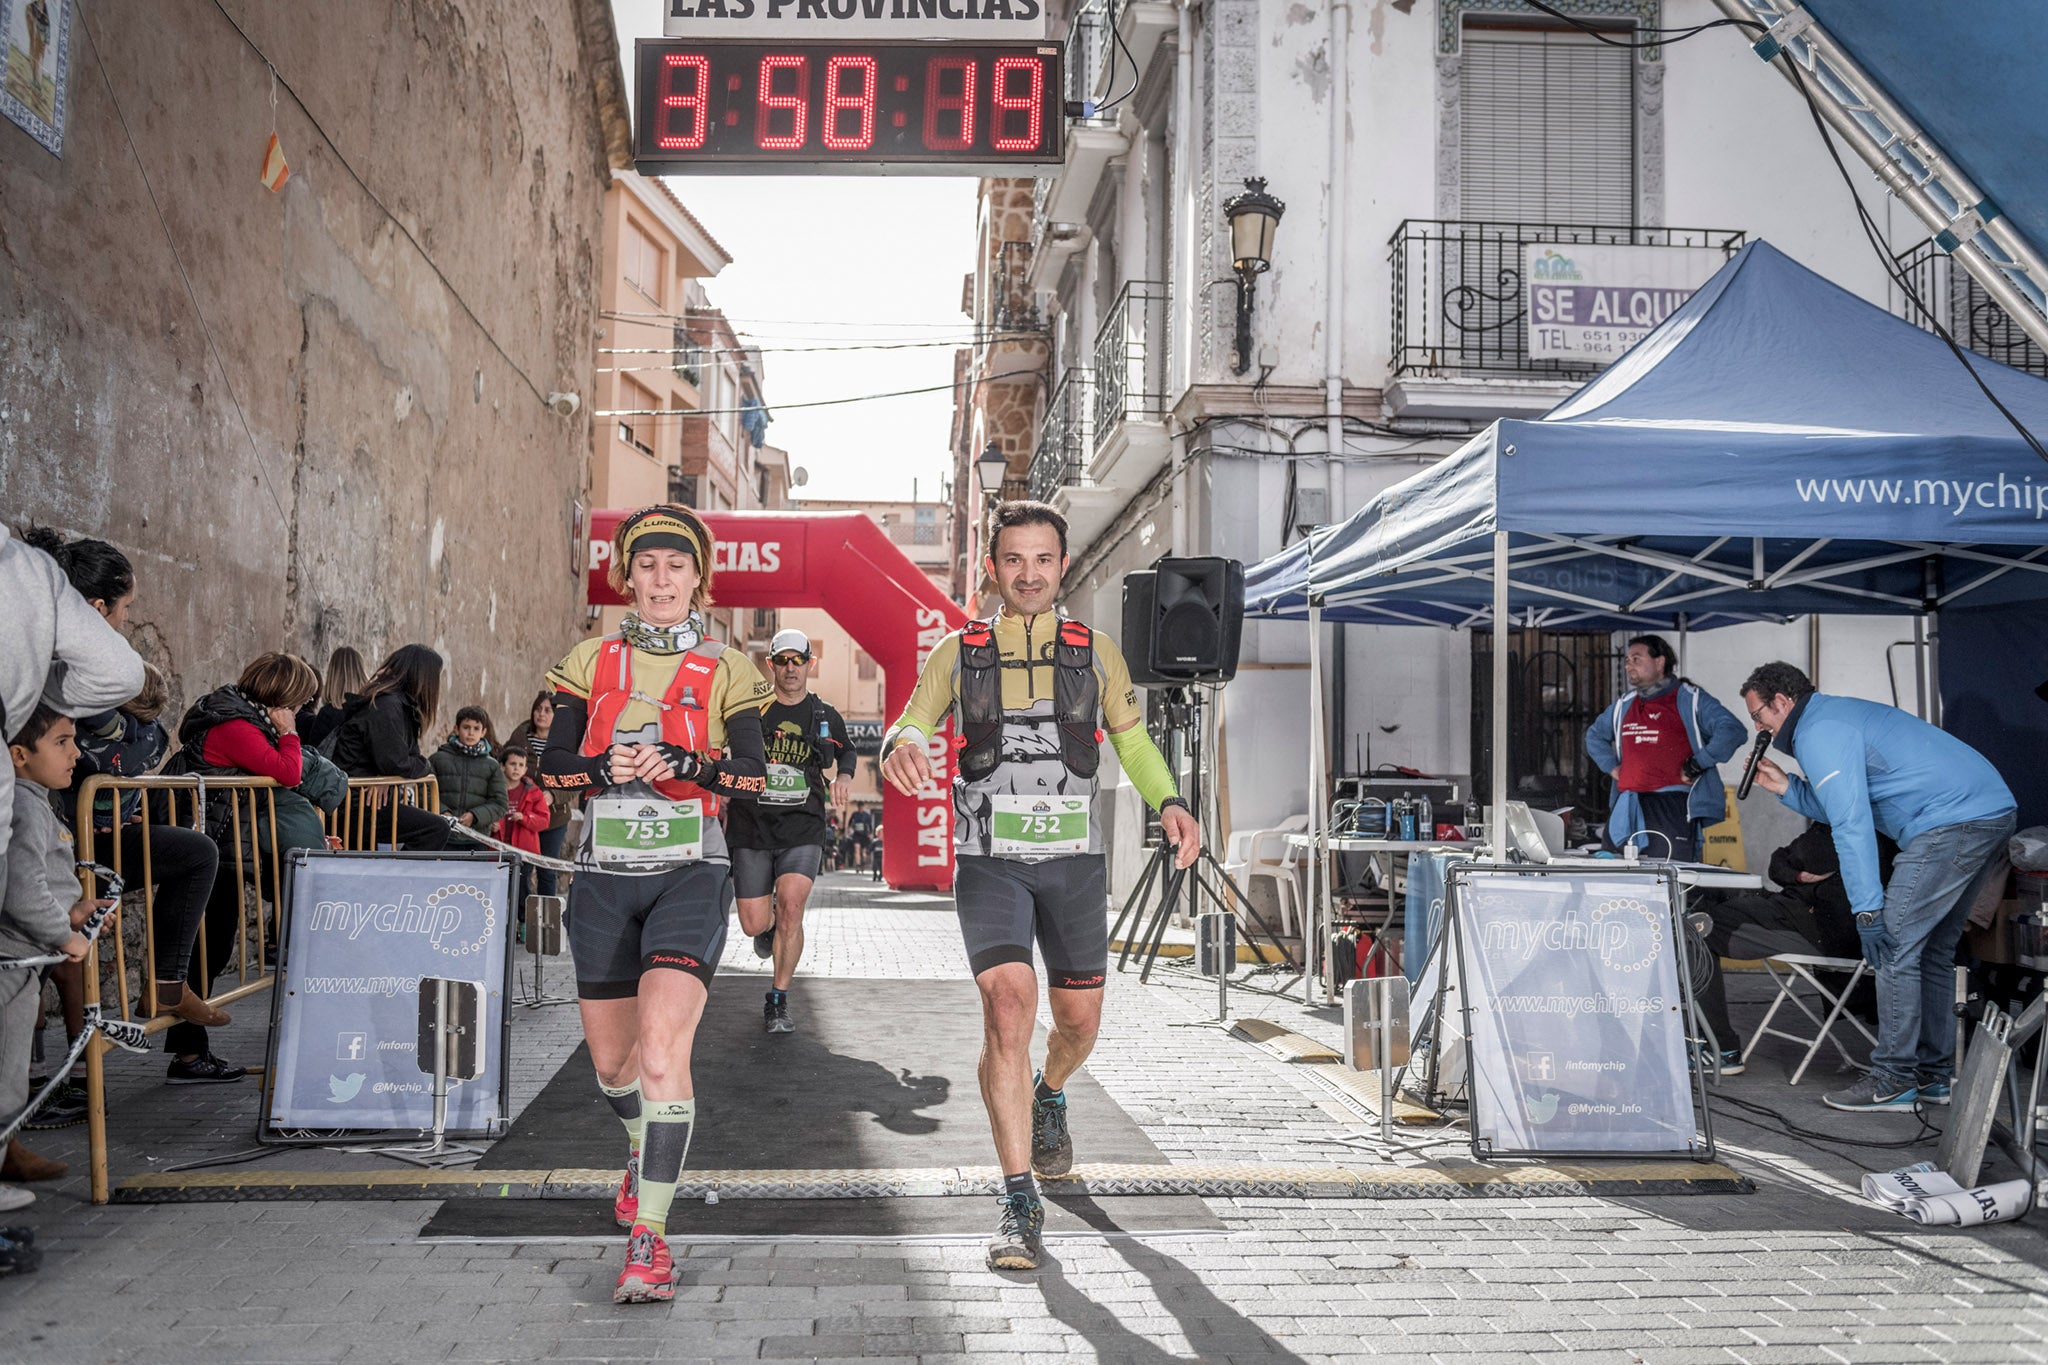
523	823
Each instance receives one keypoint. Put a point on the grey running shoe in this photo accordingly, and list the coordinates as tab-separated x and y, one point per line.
1935	1092
764	943
775	1017
1052	1148
1871	1095
1017	1244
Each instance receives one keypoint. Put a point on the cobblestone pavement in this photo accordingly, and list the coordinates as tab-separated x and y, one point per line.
1799	1271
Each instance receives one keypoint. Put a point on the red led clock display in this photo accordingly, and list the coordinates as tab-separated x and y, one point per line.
783	106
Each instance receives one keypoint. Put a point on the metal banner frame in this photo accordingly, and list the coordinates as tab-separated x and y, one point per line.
1453	937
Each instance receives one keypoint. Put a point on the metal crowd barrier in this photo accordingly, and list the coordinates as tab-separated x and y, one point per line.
359	823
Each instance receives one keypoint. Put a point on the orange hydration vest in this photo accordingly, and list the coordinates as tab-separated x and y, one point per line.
685	709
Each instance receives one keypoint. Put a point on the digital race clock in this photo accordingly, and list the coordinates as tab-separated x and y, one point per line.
942	108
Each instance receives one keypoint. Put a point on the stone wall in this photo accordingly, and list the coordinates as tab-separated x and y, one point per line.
315	417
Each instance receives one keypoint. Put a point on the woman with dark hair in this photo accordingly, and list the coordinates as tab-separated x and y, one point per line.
530	737
656	727
248	729
379	735
346	677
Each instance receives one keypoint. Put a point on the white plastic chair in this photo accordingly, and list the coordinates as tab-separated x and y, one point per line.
1800	967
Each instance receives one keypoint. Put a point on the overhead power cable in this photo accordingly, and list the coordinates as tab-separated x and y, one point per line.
1871	232
816	402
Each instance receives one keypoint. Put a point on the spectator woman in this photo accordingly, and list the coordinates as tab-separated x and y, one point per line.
530	737
472	783
379	735
346	678
247	729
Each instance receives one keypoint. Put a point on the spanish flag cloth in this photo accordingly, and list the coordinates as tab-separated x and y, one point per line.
275	172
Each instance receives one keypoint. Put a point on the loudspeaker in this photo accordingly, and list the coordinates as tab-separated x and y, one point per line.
1182	620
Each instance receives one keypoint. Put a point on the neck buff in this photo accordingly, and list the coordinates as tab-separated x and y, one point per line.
674	639
480	749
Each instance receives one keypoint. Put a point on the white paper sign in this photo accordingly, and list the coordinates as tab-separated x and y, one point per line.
1594	302
977	21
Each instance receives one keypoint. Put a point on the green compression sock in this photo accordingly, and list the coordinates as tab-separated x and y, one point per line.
661	1158
625	1102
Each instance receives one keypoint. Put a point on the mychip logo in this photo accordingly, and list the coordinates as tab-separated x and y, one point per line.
456	918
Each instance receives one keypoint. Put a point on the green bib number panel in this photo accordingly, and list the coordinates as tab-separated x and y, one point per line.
1038	826
630	830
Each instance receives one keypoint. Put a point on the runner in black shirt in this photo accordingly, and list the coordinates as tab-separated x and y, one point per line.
778	842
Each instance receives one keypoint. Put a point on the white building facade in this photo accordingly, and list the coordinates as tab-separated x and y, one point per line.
1420	147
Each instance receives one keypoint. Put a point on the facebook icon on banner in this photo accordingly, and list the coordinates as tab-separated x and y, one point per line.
352	1047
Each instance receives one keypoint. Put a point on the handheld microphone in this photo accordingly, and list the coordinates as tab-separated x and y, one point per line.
1756	758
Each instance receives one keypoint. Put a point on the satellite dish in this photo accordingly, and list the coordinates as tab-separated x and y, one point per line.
799	476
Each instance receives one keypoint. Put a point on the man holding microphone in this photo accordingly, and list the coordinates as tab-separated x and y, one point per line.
1873	769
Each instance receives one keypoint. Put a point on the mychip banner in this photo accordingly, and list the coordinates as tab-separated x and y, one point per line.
361	930
1576	1011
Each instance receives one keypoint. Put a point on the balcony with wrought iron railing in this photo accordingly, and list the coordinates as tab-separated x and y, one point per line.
1092	138
1130	386
1065	436
1973	318
1460	310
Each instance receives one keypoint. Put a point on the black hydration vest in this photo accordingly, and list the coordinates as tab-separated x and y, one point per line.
1076	699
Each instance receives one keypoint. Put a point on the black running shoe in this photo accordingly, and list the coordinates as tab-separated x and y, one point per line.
1017	1244
764	943
66	1108
775	1016
205	1070
1052	1149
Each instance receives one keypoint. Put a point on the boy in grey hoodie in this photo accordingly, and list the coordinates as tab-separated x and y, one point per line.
55	650
43	909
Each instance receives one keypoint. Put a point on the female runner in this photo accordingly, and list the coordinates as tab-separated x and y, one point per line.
654	727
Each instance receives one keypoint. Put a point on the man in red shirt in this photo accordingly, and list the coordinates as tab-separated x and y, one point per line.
1661	742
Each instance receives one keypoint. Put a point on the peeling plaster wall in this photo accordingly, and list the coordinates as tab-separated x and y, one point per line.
315	443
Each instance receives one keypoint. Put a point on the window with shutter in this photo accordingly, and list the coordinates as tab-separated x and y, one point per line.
1547	128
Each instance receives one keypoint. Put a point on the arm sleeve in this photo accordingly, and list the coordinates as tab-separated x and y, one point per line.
1600	742
496	802
1721	735
742	766
1143	764
93	667
562	764
930	700
1839	793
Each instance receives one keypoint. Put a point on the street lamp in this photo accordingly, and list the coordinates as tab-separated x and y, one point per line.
993	467
1252	216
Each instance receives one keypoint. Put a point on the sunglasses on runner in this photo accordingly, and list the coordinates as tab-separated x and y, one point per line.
788	660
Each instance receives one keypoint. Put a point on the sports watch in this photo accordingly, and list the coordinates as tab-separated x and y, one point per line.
1869	919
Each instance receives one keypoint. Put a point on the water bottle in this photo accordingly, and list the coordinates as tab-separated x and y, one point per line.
1427	819
1406	806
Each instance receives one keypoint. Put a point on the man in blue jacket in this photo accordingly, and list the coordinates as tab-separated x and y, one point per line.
1873	769
1660	743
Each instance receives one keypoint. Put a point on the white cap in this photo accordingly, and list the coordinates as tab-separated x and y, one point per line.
790	640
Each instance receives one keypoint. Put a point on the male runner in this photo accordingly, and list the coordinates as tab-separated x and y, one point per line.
778	842
1027	690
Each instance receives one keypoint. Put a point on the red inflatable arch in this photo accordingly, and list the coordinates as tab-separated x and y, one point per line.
840	562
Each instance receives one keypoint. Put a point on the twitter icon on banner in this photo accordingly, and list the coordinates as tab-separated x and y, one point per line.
341	1091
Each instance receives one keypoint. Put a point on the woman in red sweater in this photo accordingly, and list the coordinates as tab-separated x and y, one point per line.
247	729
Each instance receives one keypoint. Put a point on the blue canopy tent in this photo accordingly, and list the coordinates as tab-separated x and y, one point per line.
1778	446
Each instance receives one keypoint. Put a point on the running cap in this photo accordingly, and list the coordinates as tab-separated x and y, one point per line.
790	640
658	529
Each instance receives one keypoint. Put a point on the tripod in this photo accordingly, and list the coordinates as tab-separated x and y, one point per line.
1183	730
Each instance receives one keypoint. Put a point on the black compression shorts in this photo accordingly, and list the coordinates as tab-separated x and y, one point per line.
1064	902
756	870
620	927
